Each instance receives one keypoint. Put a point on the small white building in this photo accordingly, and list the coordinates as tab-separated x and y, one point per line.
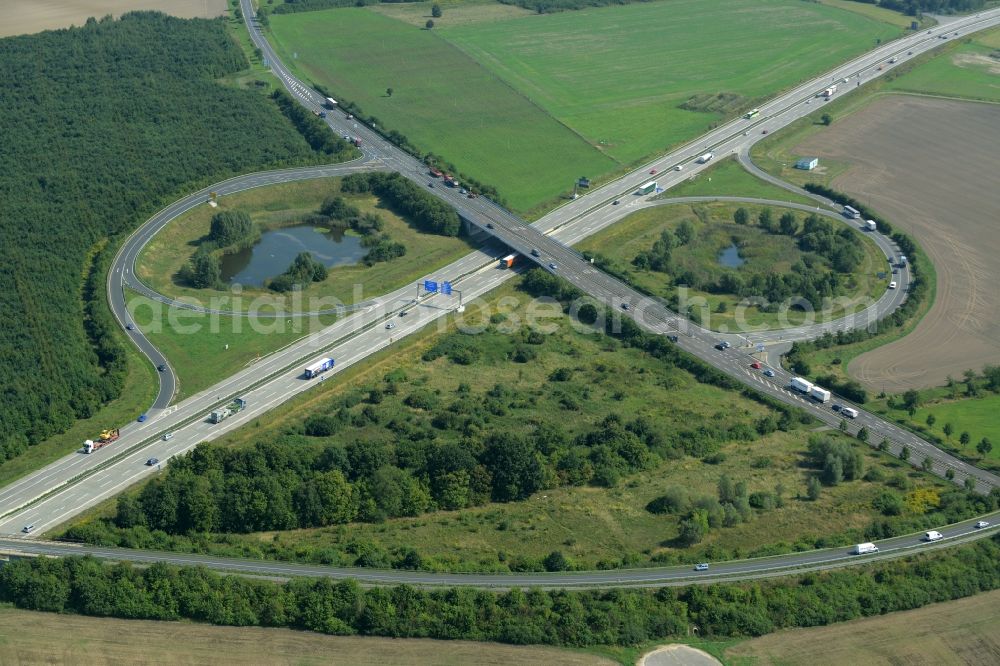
807	163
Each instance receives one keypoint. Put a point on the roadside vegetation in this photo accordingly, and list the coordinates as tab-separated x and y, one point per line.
728	178
620	107
622	617
133	133
433	460
794	267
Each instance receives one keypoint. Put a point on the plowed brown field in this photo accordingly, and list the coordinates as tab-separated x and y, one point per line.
930	166
23	17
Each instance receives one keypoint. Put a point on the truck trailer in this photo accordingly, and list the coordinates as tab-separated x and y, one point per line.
647	188
801	385
330	103
819	394
318	368
702	159
106	437
508	261
871	225
865	548
220	415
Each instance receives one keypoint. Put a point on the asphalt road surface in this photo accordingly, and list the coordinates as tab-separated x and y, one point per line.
76	482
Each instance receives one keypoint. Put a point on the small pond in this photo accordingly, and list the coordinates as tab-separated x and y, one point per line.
730	257
276	250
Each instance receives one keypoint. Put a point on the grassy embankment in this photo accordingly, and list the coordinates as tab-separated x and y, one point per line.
513	101
590	525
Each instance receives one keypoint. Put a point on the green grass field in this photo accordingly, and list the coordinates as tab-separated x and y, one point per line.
763	253
281	205
970	70
196	343
442	100
530	103
728	178
977	416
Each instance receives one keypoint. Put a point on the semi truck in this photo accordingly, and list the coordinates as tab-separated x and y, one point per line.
828	93
819	394
702	159
870	225
330	103
220	415
318	368
508	261
647	188
801	385
106	437
865	548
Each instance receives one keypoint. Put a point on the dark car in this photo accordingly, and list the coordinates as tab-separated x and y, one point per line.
142	418
153	461
322	114
162	367
615	202
430	184
130	326
836	407
672	338
624	306
489	225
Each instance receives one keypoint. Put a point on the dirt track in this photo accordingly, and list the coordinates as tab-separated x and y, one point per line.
930	167
23	17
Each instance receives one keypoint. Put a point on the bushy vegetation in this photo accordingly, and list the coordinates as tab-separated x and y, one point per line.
316	133
550	6
304	269
917	7
828	254
102	125
430	214
336	211
611	617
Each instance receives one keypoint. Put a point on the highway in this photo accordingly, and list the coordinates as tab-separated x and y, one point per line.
76	482
735	570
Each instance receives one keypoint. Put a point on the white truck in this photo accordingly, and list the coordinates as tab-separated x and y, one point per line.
865	548
318	368
819	394
849	412
933	535
702	159
801	385
870	225
330	103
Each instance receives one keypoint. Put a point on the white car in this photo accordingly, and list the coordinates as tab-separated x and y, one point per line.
892	285
981	524
678	167
391	324
701	567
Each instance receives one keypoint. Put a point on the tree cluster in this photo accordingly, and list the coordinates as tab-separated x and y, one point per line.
623	617
131	102
316	133
428	213
233	229
303	270
338	212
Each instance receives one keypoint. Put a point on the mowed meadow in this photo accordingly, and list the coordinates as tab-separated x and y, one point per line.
531	102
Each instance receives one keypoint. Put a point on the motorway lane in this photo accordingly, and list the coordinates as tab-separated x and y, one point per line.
764	567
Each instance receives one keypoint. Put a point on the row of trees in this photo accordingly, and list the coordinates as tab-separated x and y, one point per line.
316	133
131	109
572	618
427	212
917	7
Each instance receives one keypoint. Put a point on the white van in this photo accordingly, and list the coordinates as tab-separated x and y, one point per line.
933	535
865	548
849	412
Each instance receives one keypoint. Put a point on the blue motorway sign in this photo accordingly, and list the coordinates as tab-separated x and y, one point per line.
430	285
446	288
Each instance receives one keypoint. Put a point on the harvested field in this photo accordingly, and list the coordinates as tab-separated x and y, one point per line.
49	638
959	633
929	166
24	17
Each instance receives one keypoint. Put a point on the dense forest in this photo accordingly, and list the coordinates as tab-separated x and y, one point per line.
103	124
573	618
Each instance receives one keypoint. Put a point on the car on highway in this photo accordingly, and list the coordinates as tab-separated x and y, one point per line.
672	338
722	346
909	53
142	418
769	373
615	202
535	252
678	167
836	407
895	271
152	461
322	114
167	436
980	524
489	225
701	567
430	184
130	326
892	285
403	313
624	306
471	195
763	131
463	191
391	325
755	365
27	529
652	171
725	344
553	266
162	367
